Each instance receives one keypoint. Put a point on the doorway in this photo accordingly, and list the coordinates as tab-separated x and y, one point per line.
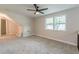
3	27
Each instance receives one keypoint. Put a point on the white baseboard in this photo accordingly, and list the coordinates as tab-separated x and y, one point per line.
67	42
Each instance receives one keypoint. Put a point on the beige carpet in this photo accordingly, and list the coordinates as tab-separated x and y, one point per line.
35	45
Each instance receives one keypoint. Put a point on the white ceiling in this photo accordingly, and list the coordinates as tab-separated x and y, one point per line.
21	8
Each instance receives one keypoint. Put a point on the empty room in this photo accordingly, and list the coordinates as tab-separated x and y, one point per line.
39	28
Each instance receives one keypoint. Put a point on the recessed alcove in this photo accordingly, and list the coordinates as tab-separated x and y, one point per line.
9	27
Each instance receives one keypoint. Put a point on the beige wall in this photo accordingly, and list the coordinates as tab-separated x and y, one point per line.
24	21
72	27
12	28
33	26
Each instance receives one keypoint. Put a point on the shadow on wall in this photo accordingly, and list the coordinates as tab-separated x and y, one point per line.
8	27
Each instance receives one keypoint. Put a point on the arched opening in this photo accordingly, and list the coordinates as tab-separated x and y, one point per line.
8	27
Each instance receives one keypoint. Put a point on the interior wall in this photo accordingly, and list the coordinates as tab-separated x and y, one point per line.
72	27
12	28
33	26
23	21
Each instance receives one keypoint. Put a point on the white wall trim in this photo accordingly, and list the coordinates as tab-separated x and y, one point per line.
67	42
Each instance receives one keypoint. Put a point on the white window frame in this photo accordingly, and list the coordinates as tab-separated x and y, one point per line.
47	25
53	24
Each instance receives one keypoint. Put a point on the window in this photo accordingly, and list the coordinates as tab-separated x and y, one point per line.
56	23
49	23
59	23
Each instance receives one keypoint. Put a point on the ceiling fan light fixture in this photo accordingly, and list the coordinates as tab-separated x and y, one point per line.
37	13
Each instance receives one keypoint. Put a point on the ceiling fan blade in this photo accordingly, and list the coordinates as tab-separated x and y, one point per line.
31	10
43	9
41	12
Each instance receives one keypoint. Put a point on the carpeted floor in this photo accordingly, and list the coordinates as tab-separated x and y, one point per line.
35	45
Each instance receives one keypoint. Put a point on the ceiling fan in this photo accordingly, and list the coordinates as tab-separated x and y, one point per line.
37	10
